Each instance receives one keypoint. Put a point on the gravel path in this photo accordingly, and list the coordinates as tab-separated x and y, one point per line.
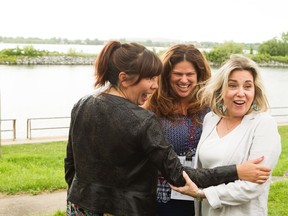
29	205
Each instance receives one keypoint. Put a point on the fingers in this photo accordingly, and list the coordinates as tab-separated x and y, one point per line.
262	179
262	176
190	188
257	160
173	187
179	189
187	180
186	177
265	169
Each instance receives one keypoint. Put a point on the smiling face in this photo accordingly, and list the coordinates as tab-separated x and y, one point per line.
183	79
140	92
240	93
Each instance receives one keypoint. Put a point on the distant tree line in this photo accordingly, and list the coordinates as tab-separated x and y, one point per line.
274	50
54	40
271	51
148	43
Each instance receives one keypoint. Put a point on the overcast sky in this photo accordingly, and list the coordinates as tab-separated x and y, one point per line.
248	21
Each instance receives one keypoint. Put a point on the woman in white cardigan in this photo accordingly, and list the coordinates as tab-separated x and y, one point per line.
237	129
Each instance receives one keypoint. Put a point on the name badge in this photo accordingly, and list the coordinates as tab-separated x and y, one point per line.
175	194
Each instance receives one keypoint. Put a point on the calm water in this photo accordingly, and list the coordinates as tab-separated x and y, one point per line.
63	48
41	91
51	91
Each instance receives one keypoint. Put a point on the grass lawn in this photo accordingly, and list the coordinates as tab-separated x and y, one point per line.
36	168
32	168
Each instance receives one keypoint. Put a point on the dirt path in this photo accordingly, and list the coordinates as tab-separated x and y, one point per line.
29	205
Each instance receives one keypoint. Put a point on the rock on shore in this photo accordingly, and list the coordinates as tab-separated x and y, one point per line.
78	60
55	60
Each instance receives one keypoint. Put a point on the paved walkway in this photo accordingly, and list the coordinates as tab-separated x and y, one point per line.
29	205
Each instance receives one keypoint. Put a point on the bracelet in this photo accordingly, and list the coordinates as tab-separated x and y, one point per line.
199	195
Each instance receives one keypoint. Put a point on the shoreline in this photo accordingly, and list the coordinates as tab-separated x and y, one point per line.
53	60
79	60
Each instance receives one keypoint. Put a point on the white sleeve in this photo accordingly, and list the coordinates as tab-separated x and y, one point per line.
266	142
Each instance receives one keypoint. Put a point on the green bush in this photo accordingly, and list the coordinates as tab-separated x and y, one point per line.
221	53
6	58
260	58
29	51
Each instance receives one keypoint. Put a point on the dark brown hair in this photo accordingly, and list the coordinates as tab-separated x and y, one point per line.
132	58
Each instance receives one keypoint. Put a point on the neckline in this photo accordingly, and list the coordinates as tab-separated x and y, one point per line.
227	133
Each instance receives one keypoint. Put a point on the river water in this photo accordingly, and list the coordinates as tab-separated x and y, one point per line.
42	91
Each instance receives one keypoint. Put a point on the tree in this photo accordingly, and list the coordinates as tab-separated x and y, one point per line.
275	47
222	52
285	37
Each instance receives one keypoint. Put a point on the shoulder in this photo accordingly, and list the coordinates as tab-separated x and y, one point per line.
261	123
142	114
210	119
261	118
210	116
82	100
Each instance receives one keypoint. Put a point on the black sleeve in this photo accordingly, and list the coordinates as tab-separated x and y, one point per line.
211	177
69	159
161	153
69	165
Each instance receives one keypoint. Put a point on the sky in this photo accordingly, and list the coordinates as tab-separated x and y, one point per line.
242	21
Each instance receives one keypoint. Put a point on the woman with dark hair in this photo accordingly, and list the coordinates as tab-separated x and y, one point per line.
115	147
181	115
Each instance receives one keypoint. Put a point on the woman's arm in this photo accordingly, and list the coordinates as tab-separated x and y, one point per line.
253	171
190	188
69	164
69	159
266	141
161	153
248	171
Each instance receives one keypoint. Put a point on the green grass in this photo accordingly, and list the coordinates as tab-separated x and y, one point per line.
32	168
282	165
58	213
36	168
278	199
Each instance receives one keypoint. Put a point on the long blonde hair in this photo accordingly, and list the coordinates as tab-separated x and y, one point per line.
215	88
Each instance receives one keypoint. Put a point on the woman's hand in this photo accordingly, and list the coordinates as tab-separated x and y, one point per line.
253	172
190	188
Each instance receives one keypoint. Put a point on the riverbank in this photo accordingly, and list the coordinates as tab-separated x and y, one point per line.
52	60
80	60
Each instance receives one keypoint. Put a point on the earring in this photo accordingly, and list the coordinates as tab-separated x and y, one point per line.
221	107
255	107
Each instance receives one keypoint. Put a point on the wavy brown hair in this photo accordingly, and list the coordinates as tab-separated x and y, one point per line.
164	100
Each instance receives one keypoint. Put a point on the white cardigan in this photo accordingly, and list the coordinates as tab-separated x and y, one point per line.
257	136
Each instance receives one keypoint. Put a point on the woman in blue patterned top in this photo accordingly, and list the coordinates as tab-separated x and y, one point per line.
181	115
